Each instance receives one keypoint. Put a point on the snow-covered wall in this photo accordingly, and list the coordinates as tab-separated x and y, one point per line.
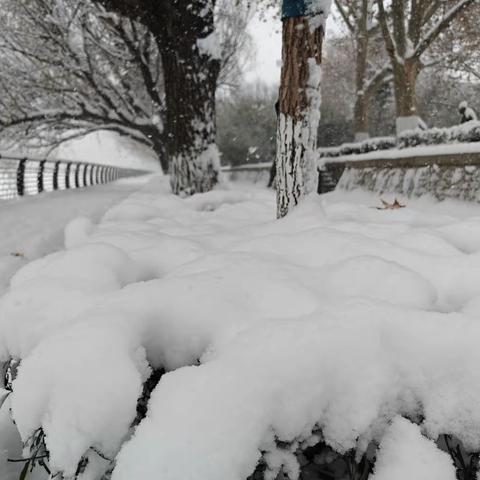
447	176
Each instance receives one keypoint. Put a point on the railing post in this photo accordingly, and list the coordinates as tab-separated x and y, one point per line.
40	172
56	171
21	177
36	176
77	175
85	166
67	175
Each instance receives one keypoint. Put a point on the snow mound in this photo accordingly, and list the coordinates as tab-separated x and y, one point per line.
327	325
376	278
70	408
77	231
406	453
94	267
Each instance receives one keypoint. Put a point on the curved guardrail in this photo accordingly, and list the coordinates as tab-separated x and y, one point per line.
27	176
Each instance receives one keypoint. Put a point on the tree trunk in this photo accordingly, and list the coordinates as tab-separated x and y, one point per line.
360	117
190	72
159	147
405	80
184	33
299	110
360	110
157	144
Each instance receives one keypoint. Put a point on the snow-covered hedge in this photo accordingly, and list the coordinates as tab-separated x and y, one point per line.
467	133
370	145
435	136
313	344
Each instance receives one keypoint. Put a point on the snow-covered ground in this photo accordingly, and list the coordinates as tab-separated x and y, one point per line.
340	318
32	227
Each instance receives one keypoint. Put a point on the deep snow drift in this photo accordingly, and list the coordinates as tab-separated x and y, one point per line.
340	318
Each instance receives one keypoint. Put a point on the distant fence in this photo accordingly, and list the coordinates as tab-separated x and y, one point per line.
26	176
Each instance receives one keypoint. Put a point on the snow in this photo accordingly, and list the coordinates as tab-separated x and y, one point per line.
339	318
406	453
319	8
210	45
409	123
31	227
361	137
420	151
210	157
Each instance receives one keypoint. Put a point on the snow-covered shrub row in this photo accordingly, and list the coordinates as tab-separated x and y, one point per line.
466	133
287	344
369	145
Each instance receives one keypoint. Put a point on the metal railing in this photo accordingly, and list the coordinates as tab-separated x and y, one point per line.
28	176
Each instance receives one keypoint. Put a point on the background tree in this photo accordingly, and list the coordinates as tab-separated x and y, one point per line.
246	125
409	31
237	49
185	36
67	70
338	92
371	69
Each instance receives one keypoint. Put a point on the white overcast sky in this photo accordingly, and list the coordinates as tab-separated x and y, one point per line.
268	41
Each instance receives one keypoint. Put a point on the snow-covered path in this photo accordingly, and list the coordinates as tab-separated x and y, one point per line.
33	226
340	318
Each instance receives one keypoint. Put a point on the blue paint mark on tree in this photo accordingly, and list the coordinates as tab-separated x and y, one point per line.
294	8
301	8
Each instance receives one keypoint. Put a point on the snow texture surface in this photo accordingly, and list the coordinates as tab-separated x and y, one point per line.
339	317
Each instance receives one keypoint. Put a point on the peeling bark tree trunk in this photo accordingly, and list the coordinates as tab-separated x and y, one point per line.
299	110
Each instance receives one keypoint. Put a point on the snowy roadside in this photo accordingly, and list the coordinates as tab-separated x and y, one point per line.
32	227
338	318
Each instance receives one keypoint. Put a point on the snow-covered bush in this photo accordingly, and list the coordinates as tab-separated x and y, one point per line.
370	145
466	133
318	343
